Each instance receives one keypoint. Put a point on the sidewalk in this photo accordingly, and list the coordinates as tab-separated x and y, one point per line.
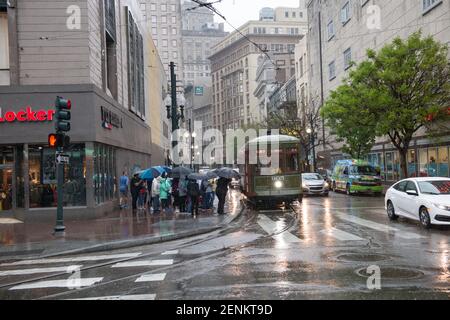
118	229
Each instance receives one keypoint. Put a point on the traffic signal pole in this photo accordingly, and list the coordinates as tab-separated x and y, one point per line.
60	228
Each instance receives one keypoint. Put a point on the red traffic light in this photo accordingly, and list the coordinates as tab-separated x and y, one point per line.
53	140
63	104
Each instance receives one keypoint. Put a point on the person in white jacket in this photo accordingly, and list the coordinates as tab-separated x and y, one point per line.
155	194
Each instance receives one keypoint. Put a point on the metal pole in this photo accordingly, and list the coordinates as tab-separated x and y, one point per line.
60	228
173	87
191	143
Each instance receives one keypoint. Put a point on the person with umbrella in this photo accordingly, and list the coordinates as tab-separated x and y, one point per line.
221	192
182	194
135	186
155	194
164	191
193	191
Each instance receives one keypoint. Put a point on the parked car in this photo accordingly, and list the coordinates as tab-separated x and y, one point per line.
326	174
423	199
314	184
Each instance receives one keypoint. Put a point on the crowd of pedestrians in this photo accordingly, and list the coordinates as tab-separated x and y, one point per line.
163	194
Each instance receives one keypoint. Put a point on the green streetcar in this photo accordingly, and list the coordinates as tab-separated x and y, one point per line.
284	183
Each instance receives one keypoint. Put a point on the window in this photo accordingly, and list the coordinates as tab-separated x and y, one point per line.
173	7
286	14
332	71
4	50
174	31
293	14
429	5
163	7
153	6
164	43
401	186
42	173
345	13
174	43
164	19
300	64
154	19
411	186
331	32
164	31
174	54
174	19
165	54
347	58
105	187
155	32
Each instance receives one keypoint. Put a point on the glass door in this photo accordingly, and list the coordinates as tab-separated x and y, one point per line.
6	189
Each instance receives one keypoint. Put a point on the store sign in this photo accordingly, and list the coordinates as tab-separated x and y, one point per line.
27	115
110	119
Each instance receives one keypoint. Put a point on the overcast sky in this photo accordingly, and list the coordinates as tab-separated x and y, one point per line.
239	12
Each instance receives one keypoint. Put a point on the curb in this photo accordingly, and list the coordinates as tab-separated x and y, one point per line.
123	244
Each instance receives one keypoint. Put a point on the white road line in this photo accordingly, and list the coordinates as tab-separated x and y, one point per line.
67	269
151	277
143	263
271	227
167	253
379	227
68	283
74	259
341	235
129	297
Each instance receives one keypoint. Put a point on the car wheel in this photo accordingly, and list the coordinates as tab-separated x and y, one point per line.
391	211
425	218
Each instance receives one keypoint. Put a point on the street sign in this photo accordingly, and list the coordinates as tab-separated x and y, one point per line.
198	91
62	158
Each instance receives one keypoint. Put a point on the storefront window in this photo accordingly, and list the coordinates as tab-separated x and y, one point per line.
104	173
443	162
20	177
412	163
42	175
423	161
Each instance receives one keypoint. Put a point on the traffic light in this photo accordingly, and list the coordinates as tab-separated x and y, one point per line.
58	140
62	115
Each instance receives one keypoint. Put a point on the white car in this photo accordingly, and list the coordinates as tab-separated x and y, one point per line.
314	184
423	199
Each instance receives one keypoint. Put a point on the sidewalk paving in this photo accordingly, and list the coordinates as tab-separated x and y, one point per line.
117	229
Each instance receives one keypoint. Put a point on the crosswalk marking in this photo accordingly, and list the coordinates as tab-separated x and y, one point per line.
379	227
143	263
151	277
39	270
341	235
167	253
271	227
74	259
68	283
129	297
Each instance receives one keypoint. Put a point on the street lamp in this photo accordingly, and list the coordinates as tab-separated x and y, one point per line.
172	102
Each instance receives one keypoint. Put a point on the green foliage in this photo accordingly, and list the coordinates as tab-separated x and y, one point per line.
396	92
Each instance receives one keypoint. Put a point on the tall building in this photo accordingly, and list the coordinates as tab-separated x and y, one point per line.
82	54
164	17
235	64
341	32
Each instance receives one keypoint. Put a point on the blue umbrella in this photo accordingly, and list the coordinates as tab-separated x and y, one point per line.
151	173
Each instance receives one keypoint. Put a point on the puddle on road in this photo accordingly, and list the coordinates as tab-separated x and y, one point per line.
361	257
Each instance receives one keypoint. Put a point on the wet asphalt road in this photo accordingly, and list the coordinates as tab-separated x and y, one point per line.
327	248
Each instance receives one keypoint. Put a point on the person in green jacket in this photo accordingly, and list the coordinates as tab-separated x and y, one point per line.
164	191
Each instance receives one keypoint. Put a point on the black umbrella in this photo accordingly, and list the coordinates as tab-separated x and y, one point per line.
179	172
227	173
202	176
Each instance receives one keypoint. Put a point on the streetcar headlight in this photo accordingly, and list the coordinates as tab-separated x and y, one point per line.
278	184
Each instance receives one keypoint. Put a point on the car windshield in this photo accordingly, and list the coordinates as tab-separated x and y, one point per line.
440	187
312	176
366	170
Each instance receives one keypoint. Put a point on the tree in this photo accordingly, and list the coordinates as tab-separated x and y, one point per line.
400	90
296	124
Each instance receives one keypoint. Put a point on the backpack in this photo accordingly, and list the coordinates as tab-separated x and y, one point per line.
193	189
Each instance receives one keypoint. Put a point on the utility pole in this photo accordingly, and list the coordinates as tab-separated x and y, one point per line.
173	88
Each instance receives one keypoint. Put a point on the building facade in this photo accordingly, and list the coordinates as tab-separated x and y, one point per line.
102	72
341	31
164	17
235	63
